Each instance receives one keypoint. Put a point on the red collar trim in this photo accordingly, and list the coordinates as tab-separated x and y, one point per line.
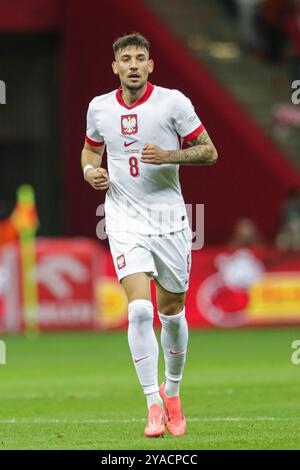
142	100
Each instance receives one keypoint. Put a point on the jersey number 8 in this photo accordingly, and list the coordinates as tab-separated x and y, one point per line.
133	164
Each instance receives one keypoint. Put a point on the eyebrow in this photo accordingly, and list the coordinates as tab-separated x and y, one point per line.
141	54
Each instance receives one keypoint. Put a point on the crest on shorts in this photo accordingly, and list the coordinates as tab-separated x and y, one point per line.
129	125
121	261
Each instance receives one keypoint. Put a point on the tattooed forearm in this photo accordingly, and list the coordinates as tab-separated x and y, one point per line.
201	152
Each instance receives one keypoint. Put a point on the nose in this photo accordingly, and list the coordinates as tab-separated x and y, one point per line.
133	65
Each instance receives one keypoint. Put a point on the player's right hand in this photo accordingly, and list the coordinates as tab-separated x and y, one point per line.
98	178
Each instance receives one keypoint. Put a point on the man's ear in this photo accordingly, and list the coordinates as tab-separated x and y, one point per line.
115	68
150	65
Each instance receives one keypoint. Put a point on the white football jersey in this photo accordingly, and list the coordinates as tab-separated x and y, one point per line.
142	197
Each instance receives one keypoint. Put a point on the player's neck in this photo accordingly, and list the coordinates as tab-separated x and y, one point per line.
130	97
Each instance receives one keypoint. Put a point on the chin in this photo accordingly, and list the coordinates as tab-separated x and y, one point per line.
135	86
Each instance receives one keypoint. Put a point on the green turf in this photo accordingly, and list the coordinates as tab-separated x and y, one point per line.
240	391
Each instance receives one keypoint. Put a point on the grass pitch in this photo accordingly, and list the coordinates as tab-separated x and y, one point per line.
80	391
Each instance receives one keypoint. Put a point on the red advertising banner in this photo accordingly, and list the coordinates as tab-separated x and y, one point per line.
244	287
78	288
67	271
230	289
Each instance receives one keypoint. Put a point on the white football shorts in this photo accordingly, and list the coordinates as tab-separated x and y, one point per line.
166	258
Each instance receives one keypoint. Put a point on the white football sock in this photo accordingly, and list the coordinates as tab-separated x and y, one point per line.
174	340
143	346
154	398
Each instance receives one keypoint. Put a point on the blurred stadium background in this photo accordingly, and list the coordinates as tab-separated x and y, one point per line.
238	61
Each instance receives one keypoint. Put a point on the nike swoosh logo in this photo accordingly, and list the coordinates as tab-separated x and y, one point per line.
141	358
176	353
127	144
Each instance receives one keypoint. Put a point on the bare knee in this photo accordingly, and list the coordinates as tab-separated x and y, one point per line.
137	286
172	308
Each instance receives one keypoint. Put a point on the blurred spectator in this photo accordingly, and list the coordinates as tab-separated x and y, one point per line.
291	27
8	233
288	238
269	26
245	234
230	6
285	116
247	11
271	19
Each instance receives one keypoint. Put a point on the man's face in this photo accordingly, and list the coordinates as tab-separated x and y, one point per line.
133	66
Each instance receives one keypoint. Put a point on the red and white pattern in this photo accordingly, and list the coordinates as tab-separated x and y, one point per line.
121	263
129	125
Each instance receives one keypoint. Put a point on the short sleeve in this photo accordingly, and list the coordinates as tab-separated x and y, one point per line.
93	136
186	121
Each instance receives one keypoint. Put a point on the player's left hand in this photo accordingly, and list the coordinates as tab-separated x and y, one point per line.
154	154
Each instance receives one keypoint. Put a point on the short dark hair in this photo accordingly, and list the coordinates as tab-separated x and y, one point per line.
134	39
